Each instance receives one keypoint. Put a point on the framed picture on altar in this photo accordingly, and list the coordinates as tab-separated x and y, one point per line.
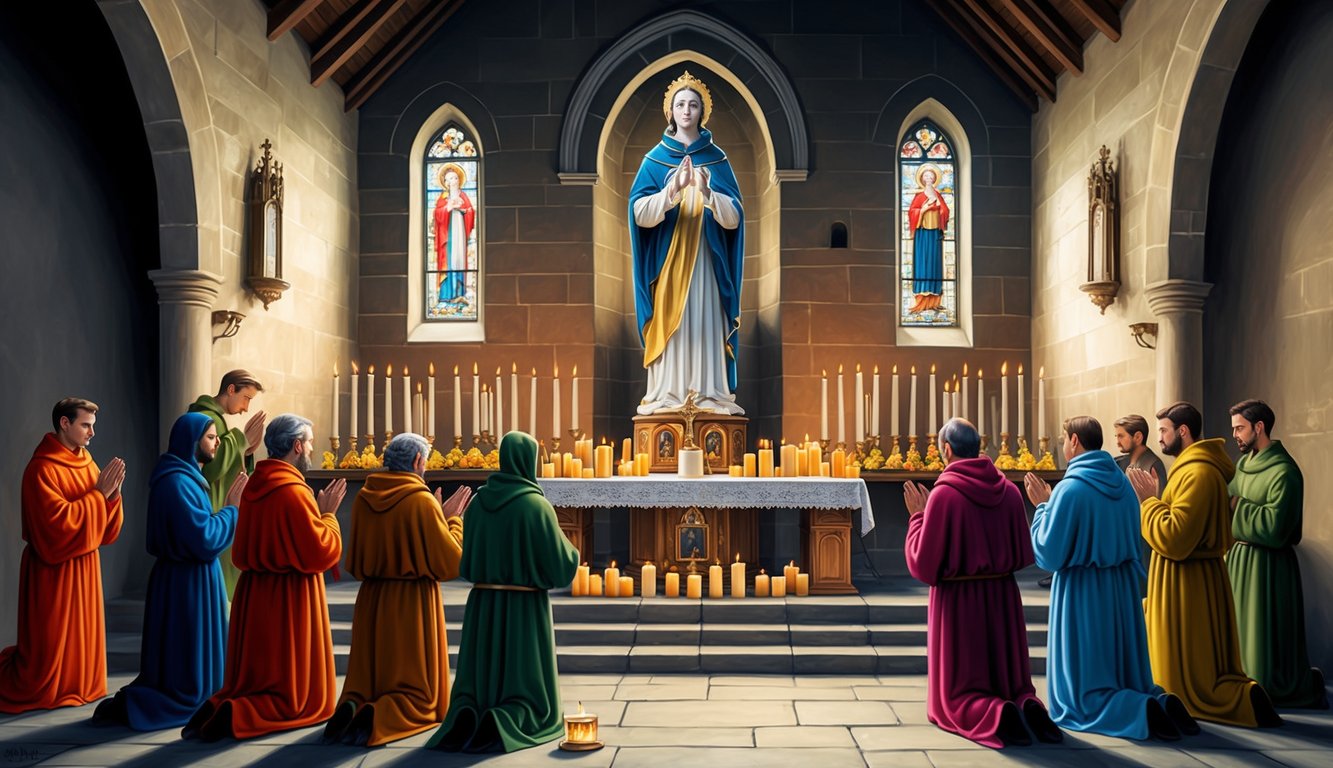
713	451
691	542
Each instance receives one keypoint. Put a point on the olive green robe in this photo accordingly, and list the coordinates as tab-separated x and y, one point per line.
221	472
1266	577
506	692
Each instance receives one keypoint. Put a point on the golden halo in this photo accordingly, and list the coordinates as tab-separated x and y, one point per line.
928	167
456	168
694	84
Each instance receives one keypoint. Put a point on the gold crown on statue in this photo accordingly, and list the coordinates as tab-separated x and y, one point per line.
694	84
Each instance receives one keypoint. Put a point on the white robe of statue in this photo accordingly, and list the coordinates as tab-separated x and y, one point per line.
694	358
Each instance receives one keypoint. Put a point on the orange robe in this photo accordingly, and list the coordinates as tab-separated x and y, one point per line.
402	547
280	672
60	659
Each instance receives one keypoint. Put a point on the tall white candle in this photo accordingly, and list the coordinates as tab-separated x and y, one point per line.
432	421
419	412
513	398
842	411
335	399
499	405
356	381
370	403
874	404
953	407
860	406
532	405
1021	429
476	401
981	404
574	398
823	405
911	406
946	406
933	412
893	403
555	402
407	400
388	398
458	404
966	408
1003	426
995	437
1041	402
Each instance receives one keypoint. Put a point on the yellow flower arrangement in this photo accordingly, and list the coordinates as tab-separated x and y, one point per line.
933	461
874	461
913	462
329	458
1047	462
369	460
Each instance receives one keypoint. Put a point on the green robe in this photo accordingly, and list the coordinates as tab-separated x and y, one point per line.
506	693
1266	577
221	472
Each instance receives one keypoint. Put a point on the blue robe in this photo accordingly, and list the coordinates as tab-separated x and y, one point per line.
185	612
650	244
1098	677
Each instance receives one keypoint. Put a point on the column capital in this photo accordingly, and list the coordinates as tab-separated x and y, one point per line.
186	286
1177	296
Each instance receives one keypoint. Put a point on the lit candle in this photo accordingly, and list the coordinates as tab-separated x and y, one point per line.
513	397
993	421
574	399
874	403
789	572
419	409
933	412
649	578
476	401
750	466
715	580
555	401
761	584
778	585
842	411
626	586
953	409
765	459
335	400
1004	397
641	465
815	458
966	408
484	410
458	404
627	450
944	406
911	406
738	577
388	398
432	422
605	458
1041	402
860	414
823	404
407	400
580	585
694	586
673	584
356	376
802	584
595	585
838	462
499	395
893	403
1021	429
370	403
532	405
611	580
981	404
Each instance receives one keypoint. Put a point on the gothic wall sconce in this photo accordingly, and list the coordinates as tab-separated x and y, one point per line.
1103	233
230	320
1139	330
265	213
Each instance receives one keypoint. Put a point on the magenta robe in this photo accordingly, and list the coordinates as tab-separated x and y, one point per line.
966	545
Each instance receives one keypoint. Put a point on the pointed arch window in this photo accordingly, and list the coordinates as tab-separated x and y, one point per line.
928	274
451	223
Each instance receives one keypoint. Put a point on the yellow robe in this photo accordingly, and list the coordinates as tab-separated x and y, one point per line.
401	547
1192	640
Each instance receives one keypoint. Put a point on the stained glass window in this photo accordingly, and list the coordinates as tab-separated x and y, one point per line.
452	220
928	233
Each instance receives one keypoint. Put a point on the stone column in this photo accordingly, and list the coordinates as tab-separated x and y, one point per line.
185	347
1178	305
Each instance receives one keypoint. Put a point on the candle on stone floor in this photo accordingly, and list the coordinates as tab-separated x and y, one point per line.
823	404
580	586
778	586
672	584
648	575
761	584
738	577
802	584
594	585
626	586
611	580
715	580
789	572
694	586
355	384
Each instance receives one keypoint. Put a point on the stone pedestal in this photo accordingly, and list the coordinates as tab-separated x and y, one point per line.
662	436
1178	305
185	327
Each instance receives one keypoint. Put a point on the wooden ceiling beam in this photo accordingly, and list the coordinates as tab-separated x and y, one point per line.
1014	45
1025	93
979	31
350	34
284	16
396	52
1103	16
1050	30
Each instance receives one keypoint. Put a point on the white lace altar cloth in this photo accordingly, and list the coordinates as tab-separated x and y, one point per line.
718	492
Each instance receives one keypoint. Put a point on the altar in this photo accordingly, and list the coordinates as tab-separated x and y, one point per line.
690	523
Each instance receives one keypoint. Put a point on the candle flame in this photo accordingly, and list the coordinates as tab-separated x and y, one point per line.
839	369
603	439
762	572
784	441
823	372
858	367
534	371
1020	369
574	374
585	562
738	557
355	370
418	387
405	373
388	371
978	374
946	386
474	368
430	371
1042	373
792	563
371	370
555	371
485	388
335	370
613	563
580	707
497	371
455	371
717	561
1004	368
932	369
807	437
514	369
876	369
914	370
965	370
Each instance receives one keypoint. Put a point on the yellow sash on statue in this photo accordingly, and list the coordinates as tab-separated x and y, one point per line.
672	285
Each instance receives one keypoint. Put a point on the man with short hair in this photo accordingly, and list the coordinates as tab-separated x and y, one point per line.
405	540
1192	641
1087	533
965	539
1267	499
236	449
69	509
279	673
1131	438
185	611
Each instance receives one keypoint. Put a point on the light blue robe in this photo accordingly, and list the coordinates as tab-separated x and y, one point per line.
1097	669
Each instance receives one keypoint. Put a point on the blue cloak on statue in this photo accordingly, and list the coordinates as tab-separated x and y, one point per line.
185	611
1097	670
650	244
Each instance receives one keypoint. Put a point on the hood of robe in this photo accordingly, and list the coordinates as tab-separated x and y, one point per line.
180	458
384	490
271	475
209	405
1210	451
51	449
1267	459
1099	470
977	479
517	475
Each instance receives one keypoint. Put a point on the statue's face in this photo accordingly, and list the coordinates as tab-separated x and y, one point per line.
686	109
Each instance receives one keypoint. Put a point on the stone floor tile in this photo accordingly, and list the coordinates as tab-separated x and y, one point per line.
100	754
675	757
590	679
668	735
780	680
778	693
890	693
307	736
910	712
1299	758
803	736
910	737
896	759
586	692
832	681
904	680
542	755
845	713
693	690
21	754
1239	758
709	714
608	712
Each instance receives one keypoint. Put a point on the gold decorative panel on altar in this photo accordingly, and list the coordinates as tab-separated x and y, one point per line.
662	435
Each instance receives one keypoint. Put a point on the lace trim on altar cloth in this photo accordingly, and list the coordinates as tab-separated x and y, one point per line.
670	491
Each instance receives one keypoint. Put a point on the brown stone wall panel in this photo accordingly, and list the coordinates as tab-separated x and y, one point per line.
828	189
810	229
501	289
872	230
513	195
384	233
872	285
815	284
1002	231
1002	331
852	156
383	264
795	323
506	324
560	324
523	167
839	126
1001	262
554	225
543	289
523	258
987	296
569	195
1017	296
381	330
851	324
501	224
375	201
384	295
581	289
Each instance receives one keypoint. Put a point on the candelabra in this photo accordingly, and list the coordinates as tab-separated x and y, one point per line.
486	442
1004	460
1044	442
431	440
370	442
476	440
333	443
458	443
861	451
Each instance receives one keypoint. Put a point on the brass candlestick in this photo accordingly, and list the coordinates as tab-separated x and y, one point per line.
555	444
1044	442
458	442
333	443
370	442
351	441
431	440
388	435
476	441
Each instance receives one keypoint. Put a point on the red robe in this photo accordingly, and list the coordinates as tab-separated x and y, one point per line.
60	659
280	672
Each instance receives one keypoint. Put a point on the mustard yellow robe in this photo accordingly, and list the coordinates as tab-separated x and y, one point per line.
402	547
1192	640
